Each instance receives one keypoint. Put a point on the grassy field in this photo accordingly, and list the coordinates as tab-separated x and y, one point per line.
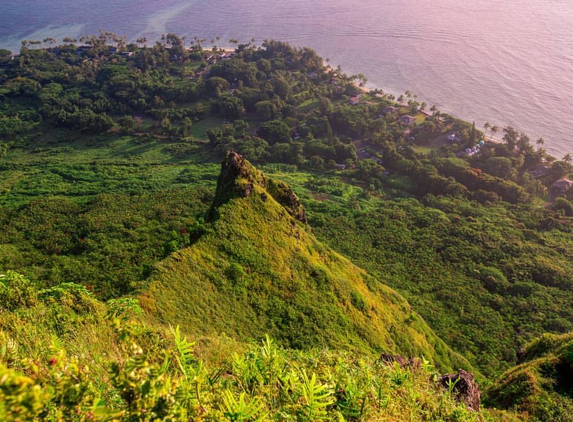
86	166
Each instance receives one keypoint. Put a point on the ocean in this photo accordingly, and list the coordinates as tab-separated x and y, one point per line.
506	62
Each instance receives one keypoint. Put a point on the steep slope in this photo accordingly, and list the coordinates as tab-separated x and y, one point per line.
542	385
257	269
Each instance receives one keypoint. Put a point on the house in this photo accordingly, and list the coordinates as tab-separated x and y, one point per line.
340	166
83	48
126	53
540	171
389	110
561	186
407	120
228	55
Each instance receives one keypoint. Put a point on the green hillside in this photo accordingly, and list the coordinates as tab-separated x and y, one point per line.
257	269
542	385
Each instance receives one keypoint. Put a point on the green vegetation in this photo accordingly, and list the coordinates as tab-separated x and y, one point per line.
542	384
109	157
256	269
475	273
95	361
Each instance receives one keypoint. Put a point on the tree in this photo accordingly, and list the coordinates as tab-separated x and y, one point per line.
281	87
215	136
166	124
473	135
494	129
187	124
274	131
563	205
267	110
178	52
486	126
500	167
5	54
231	106
127	124
524	145
216	86
240	127
510	137
560	169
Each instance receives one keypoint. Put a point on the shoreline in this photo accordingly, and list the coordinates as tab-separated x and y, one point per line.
367	90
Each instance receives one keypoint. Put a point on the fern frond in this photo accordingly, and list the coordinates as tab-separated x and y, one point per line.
56	343
184	355
241	410
316	397
9	349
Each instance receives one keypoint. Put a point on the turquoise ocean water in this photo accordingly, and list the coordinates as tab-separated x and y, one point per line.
505	61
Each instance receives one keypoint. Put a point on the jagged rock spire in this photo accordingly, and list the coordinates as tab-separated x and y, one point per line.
239	179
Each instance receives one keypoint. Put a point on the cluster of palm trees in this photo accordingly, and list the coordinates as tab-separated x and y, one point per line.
567	158
492	128
39	43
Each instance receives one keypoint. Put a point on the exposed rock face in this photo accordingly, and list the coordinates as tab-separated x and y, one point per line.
464	388
284	195
412	363
238	179
234	169
391	359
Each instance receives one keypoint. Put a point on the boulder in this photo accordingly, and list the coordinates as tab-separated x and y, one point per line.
464	388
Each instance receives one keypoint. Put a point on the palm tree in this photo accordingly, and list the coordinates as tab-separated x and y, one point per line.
540	142
494	129
567	158
486	126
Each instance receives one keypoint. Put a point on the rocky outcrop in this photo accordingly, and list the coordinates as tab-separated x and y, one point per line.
284	195
462	384
238	179
464	388
412	363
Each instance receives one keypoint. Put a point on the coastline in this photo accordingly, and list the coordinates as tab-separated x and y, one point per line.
367	90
